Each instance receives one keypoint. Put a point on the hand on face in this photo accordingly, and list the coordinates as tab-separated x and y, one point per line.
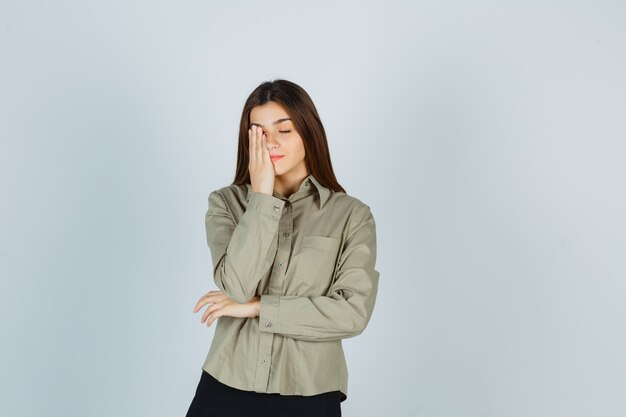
261	167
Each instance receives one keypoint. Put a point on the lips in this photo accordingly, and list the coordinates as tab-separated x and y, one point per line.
276	157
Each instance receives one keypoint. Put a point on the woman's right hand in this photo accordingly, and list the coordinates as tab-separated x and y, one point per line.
260	166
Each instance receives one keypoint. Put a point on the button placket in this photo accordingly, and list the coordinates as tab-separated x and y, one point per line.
266	339
283	251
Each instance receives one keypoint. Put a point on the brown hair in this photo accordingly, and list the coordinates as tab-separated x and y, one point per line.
306	121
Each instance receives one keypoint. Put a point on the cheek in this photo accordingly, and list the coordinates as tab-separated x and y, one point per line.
298	147
294	146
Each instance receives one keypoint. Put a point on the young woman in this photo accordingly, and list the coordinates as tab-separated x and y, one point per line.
294	260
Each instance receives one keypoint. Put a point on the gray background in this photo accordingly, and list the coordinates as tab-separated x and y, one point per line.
487	137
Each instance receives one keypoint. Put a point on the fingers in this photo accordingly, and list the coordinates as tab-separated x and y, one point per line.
264	151
252	143
257	145
210	297
212	311
222	305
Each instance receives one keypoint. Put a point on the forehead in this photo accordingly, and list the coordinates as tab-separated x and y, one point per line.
268	113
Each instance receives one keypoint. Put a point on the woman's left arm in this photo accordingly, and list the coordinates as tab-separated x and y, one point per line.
347	310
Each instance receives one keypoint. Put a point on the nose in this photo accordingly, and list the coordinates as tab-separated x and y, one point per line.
271	140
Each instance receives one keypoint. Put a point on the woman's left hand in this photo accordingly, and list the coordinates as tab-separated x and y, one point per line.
222	305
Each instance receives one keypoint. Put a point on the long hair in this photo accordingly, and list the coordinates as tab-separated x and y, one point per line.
306	121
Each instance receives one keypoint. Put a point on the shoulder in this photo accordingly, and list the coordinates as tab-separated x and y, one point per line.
358	210
360	225
230	193
231	198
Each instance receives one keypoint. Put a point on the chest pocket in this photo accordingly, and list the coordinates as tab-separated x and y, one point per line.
316	262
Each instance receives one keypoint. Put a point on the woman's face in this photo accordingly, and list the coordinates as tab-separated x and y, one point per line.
281	139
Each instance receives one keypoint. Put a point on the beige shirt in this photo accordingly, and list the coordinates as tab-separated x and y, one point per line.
311	257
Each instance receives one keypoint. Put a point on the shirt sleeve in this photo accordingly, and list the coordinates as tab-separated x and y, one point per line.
240	250
342	314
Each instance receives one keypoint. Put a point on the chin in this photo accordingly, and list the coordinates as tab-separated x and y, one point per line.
279	171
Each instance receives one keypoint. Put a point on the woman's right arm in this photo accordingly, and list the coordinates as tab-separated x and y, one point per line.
240	250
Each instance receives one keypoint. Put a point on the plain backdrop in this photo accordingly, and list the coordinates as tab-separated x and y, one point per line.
488	138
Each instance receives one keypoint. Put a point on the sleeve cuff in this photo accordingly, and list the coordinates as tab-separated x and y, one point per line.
266	203
268	314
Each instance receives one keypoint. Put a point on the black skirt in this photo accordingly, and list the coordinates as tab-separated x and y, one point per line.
215	399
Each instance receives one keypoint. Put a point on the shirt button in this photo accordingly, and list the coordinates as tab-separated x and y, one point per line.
286	234
277	207
268	324
264	361
281	264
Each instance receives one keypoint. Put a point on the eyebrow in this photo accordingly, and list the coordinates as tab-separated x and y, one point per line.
274	122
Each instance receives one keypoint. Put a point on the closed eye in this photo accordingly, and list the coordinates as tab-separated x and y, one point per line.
284	131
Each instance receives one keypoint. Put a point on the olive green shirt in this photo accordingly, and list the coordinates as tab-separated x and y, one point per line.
311	258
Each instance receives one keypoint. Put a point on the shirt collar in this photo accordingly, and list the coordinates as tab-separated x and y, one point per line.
323	191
